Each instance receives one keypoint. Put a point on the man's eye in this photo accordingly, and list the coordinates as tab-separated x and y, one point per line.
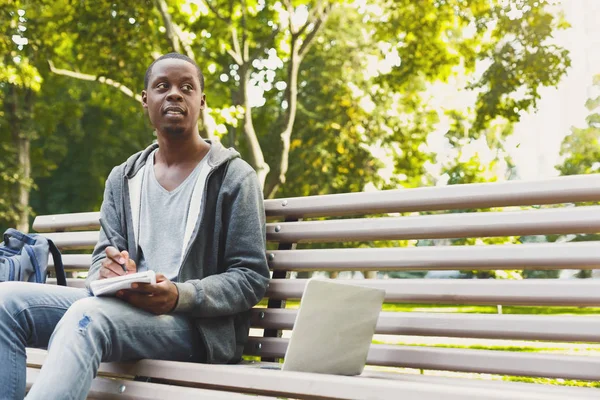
161	85
187	88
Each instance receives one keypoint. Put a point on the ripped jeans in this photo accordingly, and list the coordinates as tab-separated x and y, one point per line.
80	331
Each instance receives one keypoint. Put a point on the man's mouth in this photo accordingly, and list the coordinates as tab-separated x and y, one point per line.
174	110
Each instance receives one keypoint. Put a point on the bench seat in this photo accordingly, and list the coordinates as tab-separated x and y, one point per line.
111	388
251	378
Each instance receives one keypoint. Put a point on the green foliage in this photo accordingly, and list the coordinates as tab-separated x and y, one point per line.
521	58
345	123
9	177
81	152
78	130
541	274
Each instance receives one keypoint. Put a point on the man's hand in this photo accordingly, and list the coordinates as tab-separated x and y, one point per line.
111	264
158	299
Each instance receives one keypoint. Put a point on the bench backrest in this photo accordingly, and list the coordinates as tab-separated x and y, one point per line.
383	231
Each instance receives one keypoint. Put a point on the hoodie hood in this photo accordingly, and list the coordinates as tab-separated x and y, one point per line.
217	156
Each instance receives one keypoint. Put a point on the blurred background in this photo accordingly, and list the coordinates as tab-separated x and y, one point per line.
320	96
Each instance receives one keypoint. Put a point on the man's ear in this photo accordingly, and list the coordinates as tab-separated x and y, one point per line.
203	102
144	99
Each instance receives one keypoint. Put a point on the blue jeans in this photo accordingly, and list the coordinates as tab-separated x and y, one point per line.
80	331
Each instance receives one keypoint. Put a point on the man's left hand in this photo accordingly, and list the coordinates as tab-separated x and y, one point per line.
160	298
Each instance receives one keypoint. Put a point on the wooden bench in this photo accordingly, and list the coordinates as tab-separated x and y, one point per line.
425	213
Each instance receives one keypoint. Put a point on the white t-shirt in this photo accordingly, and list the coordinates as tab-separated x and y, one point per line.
163	217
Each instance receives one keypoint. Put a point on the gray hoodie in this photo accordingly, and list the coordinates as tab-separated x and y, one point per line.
224	270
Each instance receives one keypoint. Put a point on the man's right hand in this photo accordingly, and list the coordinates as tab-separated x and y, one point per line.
110	265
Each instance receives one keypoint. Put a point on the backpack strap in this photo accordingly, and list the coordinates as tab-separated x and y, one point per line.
61	278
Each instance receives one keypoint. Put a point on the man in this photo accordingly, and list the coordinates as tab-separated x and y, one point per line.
188	209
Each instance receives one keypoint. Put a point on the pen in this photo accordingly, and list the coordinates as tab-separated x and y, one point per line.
111	239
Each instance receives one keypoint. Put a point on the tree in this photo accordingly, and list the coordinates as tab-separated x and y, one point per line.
248	31
40	112
323	91
262	45
19	82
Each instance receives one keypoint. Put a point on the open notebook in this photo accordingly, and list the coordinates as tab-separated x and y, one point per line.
110	286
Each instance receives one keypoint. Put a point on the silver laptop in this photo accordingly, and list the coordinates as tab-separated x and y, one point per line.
334	328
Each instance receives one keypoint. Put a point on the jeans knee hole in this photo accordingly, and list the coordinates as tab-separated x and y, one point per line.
83	323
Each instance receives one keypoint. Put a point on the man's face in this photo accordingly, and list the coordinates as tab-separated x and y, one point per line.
173	98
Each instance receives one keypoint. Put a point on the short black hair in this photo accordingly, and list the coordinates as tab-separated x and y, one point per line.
177	56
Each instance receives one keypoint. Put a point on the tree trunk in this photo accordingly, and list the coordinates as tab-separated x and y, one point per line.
299	46
257	159
21	143
290	116
170	29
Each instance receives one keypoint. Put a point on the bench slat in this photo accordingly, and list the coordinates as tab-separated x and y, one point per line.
311	386
533	292
530	222
74	240
105	388
579	255
74	262
487	326
568	392
530	292
71	282
566	189
484	224
63	222
480	361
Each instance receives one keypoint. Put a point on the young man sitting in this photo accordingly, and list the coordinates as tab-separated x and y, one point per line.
188	209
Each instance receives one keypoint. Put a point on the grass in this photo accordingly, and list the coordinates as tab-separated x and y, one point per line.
470	309
548	381
550	348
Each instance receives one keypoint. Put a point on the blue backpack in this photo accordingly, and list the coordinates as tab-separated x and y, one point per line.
25	258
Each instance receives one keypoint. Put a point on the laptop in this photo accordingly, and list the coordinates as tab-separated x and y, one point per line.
334	328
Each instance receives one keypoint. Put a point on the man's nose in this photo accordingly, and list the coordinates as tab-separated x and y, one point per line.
174	94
